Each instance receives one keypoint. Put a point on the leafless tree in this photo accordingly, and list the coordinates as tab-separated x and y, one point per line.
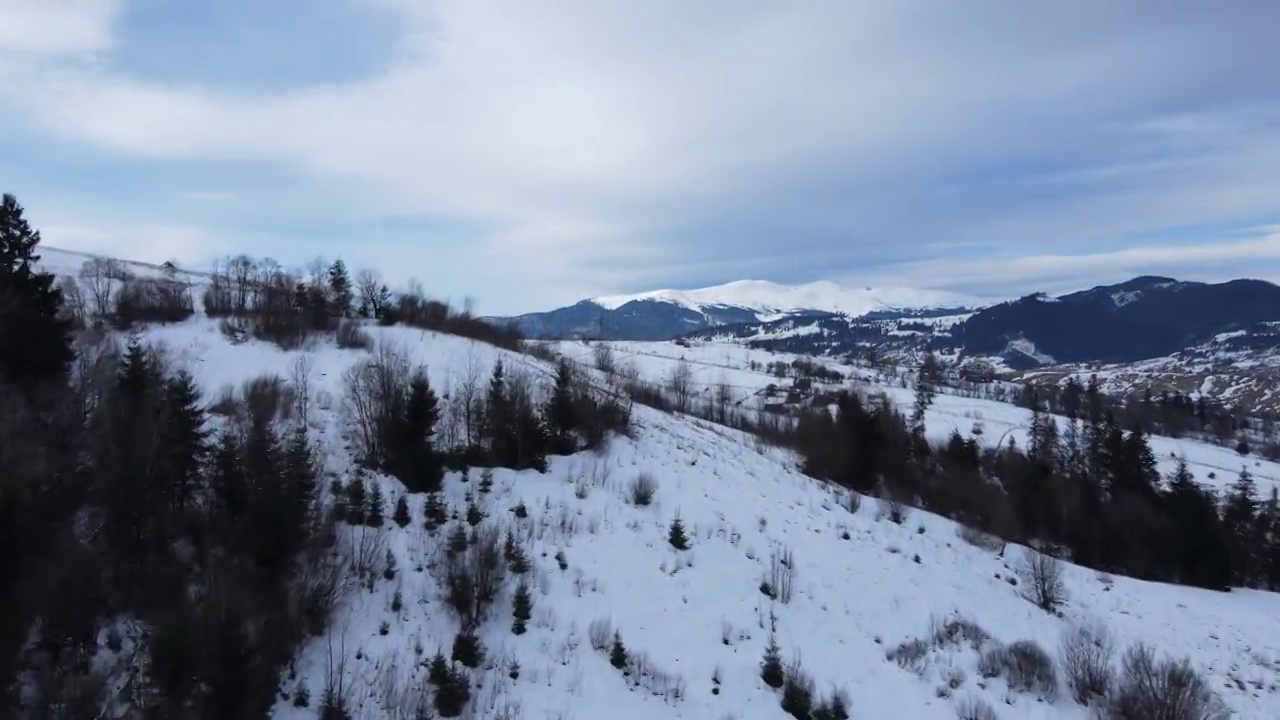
241	272
369	291
101	277
1042	574
680	383
1086	654
374	389
74	306
300	378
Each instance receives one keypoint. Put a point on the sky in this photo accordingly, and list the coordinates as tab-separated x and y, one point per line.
529	154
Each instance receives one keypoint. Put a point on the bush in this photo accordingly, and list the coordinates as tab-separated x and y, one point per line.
643	488
956	630
1025	666
909	654
979	539
677	536
468	650
600	634
771	668
1086	654
975	708
797	692
350	336
141	300
782	575
1162	689
268	399
1042	574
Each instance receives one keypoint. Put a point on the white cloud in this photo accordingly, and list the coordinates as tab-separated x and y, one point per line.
188	246
1257	255
592	137
56	27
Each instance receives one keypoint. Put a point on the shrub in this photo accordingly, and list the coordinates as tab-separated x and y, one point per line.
979	539
267	399
401	515
955	630
975	708
1024	665
1164	689
909	654
152	300
835	707
782	575
1042	574
453	693
600	634
643	488
797	692
468	650
1086	654
350	336
771	670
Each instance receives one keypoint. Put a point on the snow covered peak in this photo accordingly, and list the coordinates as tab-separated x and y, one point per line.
765	296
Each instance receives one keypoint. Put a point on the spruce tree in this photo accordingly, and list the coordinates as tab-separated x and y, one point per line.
618	652
560	411
926	390
30	306
340	292
522	608
401	516
184	440
412	456
677	537
1239	516
375	513
771	668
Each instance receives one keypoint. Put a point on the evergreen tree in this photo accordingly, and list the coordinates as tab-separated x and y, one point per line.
401	516
340	291
412	456
1200	547
183	439
677	537
496	424
522	608
1140	474
618	652
30	306
375	514
926	390
771	668
357	502
1239	516
560	411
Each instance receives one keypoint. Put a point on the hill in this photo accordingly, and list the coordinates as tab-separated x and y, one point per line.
659	567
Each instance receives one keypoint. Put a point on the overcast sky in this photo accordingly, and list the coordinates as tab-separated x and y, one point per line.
530	153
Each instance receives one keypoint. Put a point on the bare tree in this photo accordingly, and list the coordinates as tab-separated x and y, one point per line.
300	377
680	383
241	272
1086	654
74	306
468	396
722	400
374	389
1042	574
101	277
369	292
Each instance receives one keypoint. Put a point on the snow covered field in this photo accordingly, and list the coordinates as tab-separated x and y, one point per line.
862	584
715	363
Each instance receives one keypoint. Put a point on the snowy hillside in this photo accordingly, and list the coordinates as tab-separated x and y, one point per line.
745	372
695	622
768	297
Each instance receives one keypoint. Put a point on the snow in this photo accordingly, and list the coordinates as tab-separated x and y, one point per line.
765	296
699	611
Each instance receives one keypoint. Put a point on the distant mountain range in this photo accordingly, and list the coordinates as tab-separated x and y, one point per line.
1217	339
667	314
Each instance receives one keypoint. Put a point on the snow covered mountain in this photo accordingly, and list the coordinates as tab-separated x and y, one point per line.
769	298
664	314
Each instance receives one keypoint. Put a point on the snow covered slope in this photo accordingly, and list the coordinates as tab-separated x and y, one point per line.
862	585
769	297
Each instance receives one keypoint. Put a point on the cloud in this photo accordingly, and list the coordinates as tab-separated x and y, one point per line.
1256	255
56	27
188	246
616	147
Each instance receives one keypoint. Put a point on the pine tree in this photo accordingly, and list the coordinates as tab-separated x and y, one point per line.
926	390
340	289
522	608
401	516
30	306
374	514
357	502
560	411
618	652
677	537
771	668
184	438
434	511
412	457
1239	516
